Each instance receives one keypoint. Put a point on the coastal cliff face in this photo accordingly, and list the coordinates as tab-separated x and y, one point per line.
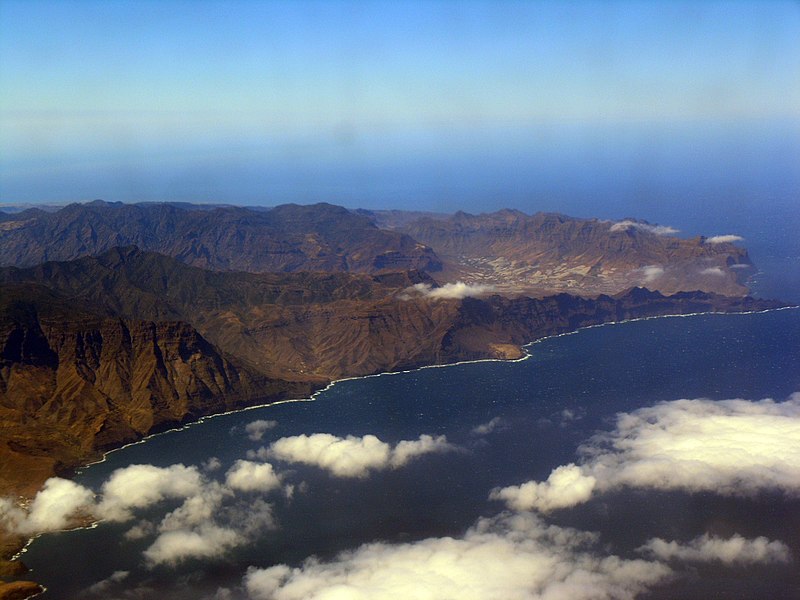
73	384
155	343
104	350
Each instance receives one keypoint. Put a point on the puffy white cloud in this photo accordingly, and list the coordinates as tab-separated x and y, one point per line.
656	229
730	447
353	456
256	430
207	541
457	290
140	486
508	557
733	550
716	271
566	486
651	272
212	464
101	588
54	507
261	454
407	450
196	510
724	239
488	427
247	476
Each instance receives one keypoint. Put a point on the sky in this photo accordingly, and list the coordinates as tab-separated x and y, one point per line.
418	105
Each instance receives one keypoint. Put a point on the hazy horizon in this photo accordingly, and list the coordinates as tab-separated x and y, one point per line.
417	105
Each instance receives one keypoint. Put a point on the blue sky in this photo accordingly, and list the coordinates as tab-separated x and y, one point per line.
263	102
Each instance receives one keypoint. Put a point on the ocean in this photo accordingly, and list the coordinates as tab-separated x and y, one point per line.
505	423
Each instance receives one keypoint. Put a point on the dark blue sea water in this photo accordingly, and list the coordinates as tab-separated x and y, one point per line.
569	388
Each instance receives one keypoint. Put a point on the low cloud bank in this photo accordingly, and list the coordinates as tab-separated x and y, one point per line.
507	557
458	291
488	427
353	456
207	522
248	476
55	507
256	430
656	229
724	239
566	486
730	447
651	273
731	551
716	271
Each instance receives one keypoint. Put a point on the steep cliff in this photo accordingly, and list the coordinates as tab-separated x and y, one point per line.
73	383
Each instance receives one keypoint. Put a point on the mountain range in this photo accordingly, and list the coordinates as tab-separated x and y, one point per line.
515	253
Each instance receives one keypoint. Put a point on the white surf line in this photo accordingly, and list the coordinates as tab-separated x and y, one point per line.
314	396
526	355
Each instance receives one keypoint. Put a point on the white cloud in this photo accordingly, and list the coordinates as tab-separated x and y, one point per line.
656	229
248	476
140	531
733	550
457	290
256	429
101	588
207	541
724	239
212	464
261	454
353	456
56	506
509	557
651	273
716	271
196	510
730	447
140	486
489	427
566	486
406	450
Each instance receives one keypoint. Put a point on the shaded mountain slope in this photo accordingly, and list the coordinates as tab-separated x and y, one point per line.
321	237
73	382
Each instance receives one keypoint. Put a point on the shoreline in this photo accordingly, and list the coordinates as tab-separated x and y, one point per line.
313	397
526	348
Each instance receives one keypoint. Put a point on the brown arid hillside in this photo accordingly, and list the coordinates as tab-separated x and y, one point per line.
74	383
547	253
514	253
320	237
104	350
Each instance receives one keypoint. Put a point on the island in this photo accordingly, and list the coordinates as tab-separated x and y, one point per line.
118	321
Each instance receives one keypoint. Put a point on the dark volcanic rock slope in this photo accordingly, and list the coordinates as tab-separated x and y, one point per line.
320	237
73	382
103	350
